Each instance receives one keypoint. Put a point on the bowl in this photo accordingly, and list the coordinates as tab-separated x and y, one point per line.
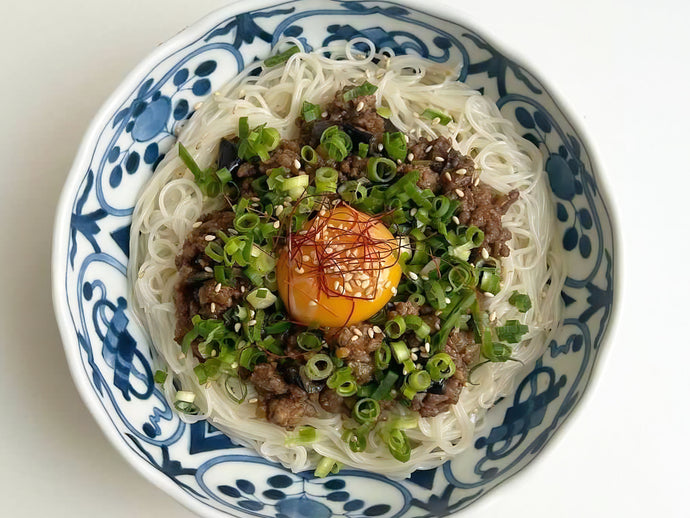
110	356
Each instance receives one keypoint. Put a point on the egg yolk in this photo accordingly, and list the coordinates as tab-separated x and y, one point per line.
341	268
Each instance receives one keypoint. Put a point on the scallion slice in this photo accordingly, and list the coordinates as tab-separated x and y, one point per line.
432	114
236	388
366	410
512	332
395	145
521	301
310	112
184	402
319	367
326	180
440	366
365	88
395	327
381	169
282	57
309	342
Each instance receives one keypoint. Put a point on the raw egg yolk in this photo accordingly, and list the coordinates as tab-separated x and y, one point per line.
341	268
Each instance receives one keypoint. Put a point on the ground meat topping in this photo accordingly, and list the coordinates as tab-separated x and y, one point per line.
356	344
287	410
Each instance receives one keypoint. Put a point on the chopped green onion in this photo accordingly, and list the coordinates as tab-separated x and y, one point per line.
395	145
490	283
382	357
356	439
184	402
326	179
160	376
261	298
494	351
398	444
319	367
366	410
384	111
342	382
282	57
246	222
432	114
325	467
250	356
295	185
381	169
440	366
419	380
337	143
257	142
400	351
243	127
305	435
421	329
521	301
358	91
463	274
309	342
385	386
309	155
352	191
236	389
396	327
310	112
511	332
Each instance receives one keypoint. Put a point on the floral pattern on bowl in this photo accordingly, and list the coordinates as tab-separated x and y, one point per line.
110	355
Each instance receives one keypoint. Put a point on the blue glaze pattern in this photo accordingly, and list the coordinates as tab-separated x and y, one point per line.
111	352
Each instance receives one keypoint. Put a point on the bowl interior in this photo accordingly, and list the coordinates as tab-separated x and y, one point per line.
109	352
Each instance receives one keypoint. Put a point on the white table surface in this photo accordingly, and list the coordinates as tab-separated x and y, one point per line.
622	67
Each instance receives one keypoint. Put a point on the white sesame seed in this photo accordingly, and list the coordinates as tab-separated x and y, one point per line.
447	300
322	213
459	193
329	250
377	329
370	332
297	164
414	350
427	347
276	224
181	356
214	353
238	326
447	176
242	289
365	283
299	270
357	331
253	400
414	357
461	171
413	276
360	106
413	211
198	105
425	277
208	269
394	290
336	285
380	147
354	338
439	159
217	288
456	220
428	148
312	303
279	210
410	157
398	161
489	294
305	258
196	224
251	323
476	182
358	294
209	237
485	253
347	277
436	120
324	115
213	307
348	287
492	317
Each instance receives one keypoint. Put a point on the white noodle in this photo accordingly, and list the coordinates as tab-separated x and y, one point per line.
171	203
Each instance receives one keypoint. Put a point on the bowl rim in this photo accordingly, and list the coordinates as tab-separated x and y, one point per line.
187	35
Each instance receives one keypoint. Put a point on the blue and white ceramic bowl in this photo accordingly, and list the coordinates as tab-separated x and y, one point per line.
110	355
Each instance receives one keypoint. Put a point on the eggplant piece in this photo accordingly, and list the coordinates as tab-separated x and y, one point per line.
319	127
437	387
358	136
227	156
